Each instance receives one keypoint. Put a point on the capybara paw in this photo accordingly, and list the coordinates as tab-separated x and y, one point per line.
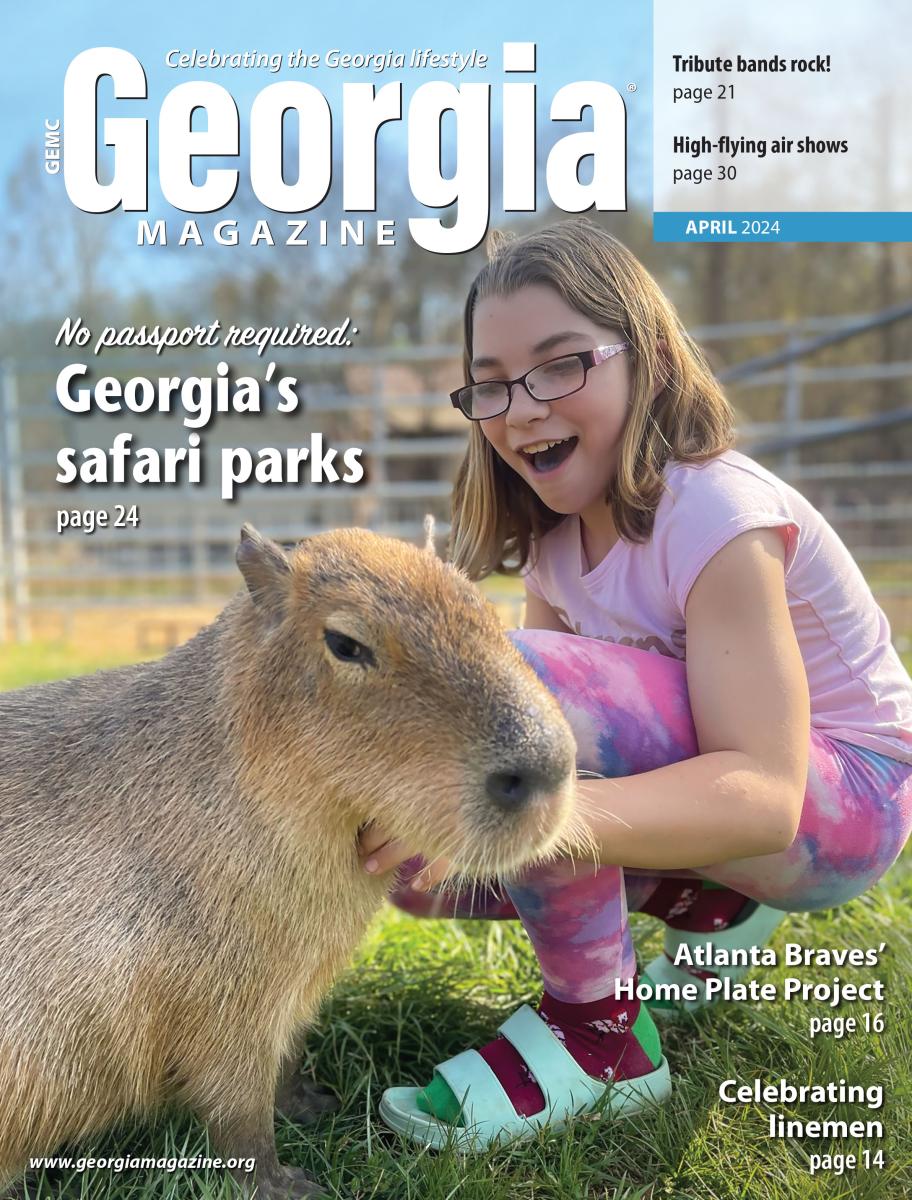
303	1102
287	1183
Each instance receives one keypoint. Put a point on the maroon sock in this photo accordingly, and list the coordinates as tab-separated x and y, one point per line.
691	906
596	1034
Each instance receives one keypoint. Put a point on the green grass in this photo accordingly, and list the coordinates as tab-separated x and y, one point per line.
423	990
40	662
420	991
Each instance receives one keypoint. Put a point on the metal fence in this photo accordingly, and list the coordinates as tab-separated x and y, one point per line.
814	403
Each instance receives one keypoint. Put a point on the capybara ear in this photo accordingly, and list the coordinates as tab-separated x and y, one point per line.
266	571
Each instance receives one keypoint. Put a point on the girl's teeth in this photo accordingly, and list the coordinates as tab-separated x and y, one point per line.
547	454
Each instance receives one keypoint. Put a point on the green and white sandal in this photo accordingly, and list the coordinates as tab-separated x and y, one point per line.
488	1117
755	930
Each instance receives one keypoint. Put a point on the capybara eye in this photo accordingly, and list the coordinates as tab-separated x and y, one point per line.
346	649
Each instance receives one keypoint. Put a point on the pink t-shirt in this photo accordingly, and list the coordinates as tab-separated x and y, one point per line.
860	692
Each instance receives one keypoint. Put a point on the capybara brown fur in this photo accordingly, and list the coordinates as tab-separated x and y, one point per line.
179	877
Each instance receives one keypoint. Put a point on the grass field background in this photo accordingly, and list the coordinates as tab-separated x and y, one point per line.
420	991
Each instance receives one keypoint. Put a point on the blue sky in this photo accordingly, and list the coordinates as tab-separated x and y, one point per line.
607	41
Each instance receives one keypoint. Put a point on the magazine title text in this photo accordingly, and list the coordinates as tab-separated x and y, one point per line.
585	168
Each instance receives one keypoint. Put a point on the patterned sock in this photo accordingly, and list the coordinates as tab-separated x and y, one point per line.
599	1035
697	905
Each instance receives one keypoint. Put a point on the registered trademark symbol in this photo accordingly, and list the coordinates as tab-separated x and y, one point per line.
631	87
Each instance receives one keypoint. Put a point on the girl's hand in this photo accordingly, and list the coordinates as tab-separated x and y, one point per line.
380	853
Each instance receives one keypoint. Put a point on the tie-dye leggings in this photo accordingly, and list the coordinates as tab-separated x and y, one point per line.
630	713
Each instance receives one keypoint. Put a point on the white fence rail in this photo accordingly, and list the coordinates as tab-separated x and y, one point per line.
393	405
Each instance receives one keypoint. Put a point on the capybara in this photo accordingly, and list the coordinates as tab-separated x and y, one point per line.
179	877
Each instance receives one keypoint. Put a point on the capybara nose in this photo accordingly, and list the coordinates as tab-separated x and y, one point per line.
508	791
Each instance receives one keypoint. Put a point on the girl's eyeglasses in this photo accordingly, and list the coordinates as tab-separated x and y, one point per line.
552	380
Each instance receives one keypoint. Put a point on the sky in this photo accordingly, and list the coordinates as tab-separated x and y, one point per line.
610	41
577	40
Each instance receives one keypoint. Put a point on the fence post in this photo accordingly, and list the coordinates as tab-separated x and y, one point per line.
198	550
380	516
17	549
791	405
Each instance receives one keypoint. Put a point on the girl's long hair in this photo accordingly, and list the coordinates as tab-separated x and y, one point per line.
497	519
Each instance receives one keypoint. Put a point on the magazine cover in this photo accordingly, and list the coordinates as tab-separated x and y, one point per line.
456	601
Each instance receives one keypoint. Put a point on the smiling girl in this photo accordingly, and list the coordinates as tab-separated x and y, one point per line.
726	670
